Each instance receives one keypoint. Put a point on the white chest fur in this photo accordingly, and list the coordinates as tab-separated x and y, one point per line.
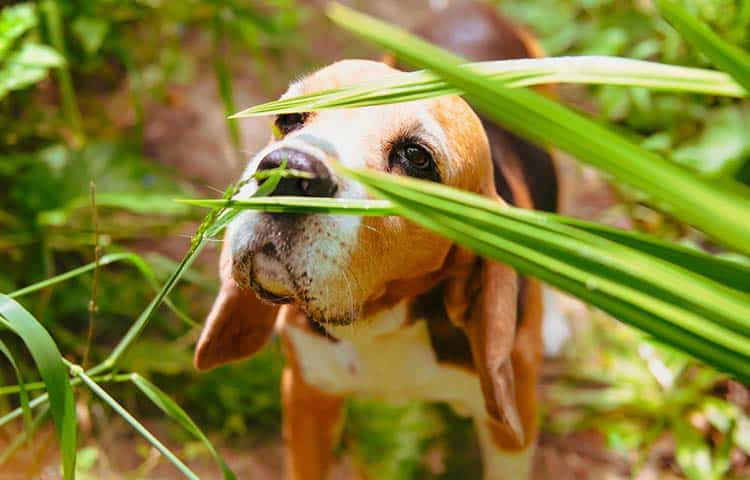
384	357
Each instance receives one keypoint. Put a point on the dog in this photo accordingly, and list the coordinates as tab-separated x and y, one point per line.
378	306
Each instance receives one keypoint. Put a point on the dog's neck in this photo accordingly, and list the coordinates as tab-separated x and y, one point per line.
383	321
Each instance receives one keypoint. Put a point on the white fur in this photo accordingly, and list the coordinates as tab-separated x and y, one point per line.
384	358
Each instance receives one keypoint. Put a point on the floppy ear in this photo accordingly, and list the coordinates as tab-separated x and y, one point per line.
482	299
238	325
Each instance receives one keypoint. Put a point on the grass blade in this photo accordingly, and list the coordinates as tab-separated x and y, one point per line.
54	24
722	213
101	393
50	364
637	288
727	57
332	206
224	84
517	73
539	266
168	406
733	274
23	394
730	305
141	265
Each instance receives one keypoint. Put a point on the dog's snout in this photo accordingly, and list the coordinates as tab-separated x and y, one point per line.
320	184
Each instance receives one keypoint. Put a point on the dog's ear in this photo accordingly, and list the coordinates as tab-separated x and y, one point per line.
238	325
482	299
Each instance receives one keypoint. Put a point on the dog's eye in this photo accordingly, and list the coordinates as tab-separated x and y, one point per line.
417	156
289	122
414	160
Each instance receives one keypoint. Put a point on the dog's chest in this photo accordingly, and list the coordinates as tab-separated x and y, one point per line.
386	357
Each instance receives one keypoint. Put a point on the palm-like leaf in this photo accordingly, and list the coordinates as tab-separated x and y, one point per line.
516	73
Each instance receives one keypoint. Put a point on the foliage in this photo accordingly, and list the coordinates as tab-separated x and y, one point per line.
647	392
52	220
23	61
667	123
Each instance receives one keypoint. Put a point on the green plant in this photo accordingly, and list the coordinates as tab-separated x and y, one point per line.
647	393
60	375
23	60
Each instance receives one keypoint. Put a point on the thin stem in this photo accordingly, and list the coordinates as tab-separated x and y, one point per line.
224	84
101	393
12	389
67	93
95	281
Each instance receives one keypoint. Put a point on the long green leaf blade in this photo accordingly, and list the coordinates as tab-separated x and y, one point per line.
733	274
729	58
517	73
605	274
50	364
168	406
732	307
107	398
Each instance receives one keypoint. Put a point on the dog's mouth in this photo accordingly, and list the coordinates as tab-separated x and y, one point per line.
265	272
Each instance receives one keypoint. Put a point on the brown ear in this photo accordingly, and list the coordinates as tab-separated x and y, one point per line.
238	325
482	300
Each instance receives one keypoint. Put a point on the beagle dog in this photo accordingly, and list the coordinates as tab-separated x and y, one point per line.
379	306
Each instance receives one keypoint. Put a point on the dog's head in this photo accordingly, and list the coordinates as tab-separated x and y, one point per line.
336	267
332	266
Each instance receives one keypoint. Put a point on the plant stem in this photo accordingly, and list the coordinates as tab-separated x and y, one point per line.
67	93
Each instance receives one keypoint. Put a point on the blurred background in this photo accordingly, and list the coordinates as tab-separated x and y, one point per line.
132	95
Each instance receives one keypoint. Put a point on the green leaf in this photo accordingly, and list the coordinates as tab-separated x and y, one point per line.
722	149
732	273
36	55
692	452
139	263
282	204
27	66
50	364
15	20
101	393
168	406
665	300
517	73
723	213
727	57
90	32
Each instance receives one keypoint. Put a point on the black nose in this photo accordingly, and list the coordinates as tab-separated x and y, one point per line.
321	184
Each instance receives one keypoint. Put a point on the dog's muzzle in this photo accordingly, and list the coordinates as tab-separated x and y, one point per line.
264	244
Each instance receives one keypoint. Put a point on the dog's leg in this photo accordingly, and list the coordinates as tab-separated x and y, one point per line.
502	464
312	420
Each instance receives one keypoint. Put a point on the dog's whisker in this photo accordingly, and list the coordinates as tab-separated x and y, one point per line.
214	189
